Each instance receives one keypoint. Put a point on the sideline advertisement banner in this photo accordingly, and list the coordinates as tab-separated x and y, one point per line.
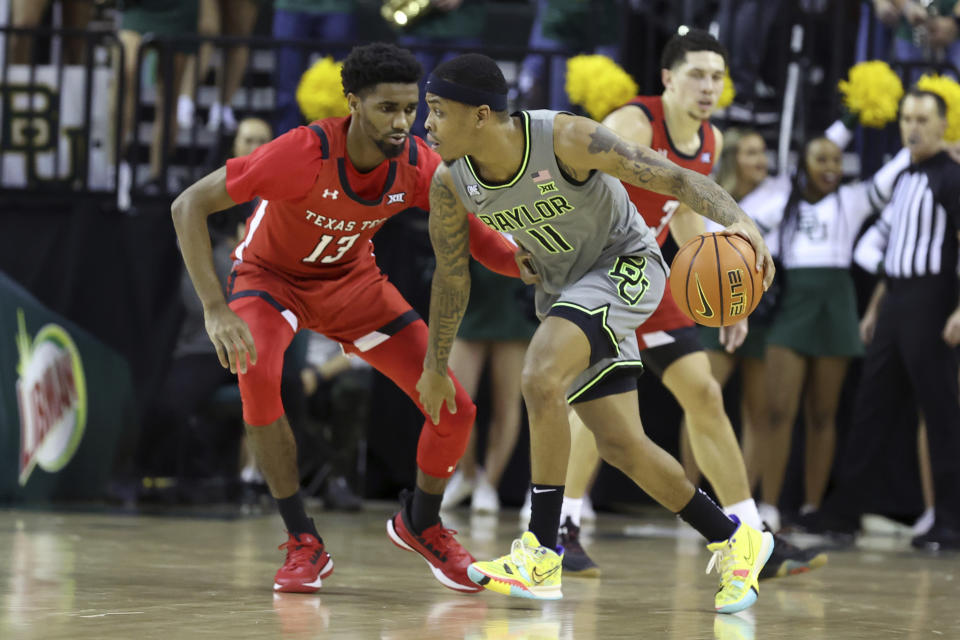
65	400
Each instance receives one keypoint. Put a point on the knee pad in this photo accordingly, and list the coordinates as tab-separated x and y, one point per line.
441	446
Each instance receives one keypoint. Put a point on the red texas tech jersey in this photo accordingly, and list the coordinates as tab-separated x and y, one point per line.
656	208
317	213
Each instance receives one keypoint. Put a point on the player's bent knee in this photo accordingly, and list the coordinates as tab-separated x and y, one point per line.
704	397
620	449
540	384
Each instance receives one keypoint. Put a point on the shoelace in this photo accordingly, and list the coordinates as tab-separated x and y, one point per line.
298	554
723	560
442	539
520	554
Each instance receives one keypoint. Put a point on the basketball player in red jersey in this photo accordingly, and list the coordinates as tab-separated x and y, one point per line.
307	263
676	125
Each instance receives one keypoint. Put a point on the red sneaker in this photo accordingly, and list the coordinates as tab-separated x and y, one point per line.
307	563
447	559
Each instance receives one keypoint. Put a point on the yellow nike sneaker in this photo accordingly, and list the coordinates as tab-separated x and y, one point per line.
528	571
739	560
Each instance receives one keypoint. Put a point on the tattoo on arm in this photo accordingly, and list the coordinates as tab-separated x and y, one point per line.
450	291
649	170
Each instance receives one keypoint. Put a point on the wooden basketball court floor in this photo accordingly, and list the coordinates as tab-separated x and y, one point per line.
97	575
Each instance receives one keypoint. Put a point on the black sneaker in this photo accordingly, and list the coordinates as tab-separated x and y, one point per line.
576	562
839	529
940	537
788	559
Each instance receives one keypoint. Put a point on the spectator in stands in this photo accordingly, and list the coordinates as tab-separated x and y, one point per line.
745	29
567	27
925	31
29	13
218	17
318	20
494	333
161	18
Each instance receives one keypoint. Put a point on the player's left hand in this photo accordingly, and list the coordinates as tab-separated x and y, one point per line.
747	230
434	390
733	336
951	331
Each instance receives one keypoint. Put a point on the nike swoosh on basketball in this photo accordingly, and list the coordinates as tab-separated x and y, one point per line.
540	577
535	490
705	310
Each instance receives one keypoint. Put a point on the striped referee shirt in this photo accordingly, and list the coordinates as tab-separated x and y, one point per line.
916	234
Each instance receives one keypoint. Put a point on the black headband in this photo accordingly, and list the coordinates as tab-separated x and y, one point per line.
466	95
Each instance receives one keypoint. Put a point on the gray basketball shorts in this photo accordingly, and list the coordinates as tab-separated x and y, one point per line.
608	304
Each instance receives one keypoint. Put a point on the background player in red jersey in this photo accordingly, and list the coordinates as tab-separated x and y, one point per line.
676	125
307	263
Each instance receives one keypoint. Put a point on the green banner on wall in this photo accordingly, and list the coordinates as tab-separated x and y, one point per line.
65	400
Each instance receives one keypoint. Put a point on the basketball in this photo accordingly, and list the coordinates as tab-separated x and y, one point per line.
713	279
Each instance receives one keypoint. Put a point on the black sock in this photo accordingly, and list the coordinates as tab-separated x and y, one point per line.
705	516
424	510
546	501
295	516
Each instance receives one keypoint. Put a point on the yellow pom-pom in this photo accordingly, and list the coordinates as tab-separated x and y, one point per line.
873	92
949	90
729	91
598	84
320	92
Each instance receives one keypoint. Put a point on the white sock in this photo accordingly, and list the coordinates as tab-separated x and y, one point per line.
746	511
571	508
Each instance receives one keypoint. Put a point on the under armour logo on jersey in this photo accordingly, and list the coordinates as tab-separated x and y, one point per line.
473	189
396	198
331	194
705	157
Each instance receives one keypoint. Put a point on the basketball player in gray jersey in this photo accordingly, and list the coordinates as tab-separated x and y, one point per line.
551	180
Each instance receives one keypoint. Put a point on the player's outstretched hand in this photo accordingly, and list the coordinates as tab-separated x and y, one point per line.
732	337
231	337
747	230
434	389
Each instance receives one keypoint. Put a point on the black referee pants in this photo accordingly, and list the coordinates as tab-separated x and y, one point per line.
907	361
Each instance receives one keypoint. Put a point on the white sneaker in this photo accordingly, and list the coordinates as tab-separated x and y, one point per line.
770	515
525	510
485	498
218	113
185	111
924	522
587	514
458	489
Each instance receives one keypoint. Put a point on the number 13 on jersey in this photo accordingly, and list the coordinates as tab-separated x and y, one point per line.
343	244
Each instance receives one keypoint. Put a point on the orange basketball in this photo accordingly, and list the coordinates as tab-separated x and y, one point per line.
713	279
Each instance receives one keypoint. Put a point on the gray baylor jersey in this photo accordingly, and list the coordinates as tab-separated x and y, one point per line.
567	226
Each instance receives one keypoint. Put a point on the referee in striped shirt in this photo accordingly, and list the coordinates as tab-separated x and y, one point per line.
914	246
